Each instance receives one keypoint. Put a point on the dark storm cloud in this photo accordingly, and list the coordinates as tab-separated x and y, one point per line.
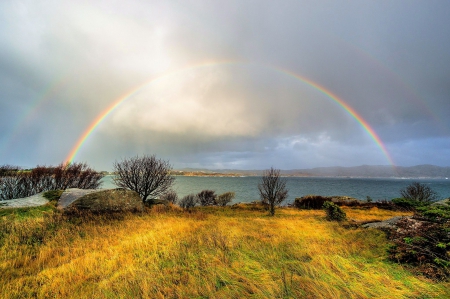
62	63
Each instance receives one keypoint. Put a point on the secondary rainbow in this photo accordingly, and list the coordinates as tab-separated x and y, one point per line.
362	122
31	111
346	107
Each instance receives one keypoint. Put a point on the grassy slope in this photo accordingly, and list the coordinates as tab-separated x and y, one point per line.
210	253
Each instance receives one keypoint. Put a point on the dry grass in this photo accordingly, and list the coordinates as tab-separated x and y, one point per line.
207	253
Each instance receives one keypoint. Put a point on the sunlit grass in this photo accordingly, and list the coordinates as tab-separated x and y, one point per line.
208	253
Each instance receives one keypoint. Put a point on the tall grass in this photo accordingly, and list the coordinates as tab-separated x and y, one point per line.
205	253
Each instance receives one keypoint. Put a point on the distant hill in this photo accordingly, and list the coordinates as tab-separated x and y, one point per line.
372	171
363	171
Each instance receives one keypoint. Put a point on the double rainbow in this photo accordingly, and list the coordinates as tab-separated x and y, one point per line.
361	121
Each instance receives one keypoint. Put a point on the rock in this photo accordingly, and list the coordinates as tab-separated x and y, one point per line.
97	201
386	224
444	202
72	194
31	201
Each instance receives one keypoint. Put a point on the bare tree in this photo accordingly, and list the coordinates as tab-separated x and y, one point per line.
419	192
148	176
272	189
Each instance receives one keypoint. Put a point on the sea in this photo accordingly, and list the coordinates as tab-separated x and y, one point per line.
246	188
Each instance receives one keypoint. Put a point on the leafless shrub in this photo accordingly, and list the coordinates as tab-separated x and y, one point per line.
76	175
170	196
207	197
12	187
272	189
16	183
419	192
223	199
188	201
311	202
7	170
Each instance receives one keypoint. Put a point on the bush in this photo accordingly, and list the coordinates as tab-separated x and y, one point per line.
223	199
419	192
53	195
435	212
422	244
409	204
188	201
314	202
171	196
207	198
387	205
16	183
334	212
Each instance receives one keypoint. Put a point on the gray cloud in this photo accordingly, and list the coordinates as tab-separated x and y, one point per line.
62	63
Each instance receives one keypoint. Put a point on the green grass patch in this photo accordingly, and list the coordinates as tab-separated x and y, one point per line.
53	195
23	213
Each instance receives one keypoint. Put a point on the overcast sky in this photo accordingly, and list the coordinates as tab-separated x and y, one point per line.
226	84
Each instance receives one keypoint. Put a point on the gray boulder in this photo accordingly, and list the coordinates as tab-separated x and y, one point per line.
26	202
386	224
98	201
444	202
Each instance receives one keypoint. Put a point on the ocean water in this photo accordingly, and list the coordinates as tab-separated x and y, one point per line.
246	188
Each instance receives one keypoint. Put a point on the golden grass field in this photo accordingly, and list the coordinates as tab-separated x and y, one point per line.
207	253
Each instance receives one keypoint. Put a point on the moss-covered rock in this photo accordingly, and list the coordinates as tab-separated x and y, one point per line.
99	201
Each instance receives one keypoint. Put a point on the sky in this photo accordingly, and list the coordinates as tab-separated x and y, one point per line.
225	84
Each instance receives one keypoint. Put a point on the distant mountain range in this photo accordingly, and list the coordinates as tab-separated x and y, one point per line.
363	171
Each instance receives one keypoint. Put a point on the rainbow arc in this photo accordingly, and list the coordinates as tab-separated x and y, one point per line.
345	106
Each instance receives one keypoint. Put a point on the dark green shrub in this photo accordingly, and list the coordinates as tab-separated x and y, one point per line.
311	201
436	212
334	212
408	204
53	195
422	244
425	243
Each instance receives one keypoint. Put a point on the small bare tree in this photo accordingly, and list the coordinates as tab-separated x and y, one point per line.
170	196
187	202
223	199
272	189
419	192
148	176
207	197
